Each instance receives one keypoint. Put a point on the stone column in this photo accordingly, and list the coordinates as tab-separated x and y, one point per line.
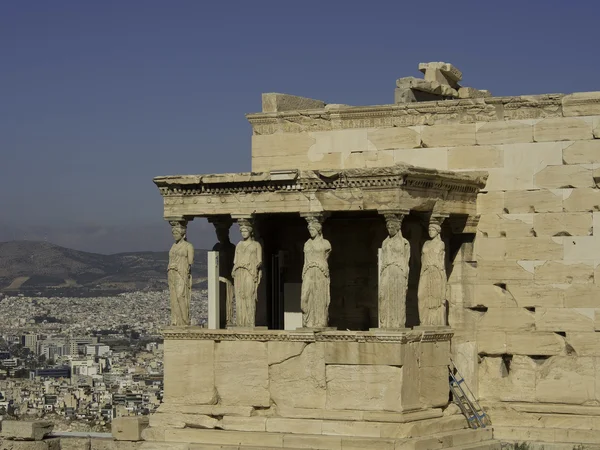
179	274
433	278
226	251
246	273
315	294
393	273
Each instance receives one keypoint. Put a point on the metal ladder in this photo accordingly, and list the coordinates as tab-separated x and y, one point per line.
465	399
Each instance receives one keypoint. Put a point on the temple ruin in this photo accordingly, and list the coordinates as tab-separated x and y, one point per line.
382	244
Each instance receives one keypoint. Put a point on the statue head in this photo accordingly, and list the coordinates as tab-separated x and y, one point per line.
315	228
393	223
178	230
434	229
246	229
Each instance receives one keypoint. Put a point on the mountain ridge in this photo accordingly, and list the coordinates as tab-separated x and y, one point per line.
43	268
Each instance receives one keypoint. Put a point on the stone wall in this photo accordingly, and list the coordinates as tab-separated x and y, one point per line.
524	291
374	373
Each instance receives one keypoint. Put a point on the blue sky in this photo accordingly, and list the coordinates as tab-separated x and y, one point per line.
97	98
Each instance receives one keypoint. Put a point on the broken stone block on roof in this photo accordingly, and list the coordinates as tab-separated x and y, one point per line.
274	102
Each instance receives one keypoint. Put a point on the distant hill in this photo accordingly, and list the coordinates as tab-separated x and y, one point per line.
32	267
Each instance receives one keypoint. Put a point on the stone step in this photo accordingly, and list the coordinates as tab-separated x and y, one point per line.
486	445
185	439
548	446
452	439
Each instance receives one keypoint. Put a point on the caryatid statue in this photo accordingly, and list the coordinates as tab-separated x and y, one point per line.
432	282
393	274
226	251
179	274
247	272
315	294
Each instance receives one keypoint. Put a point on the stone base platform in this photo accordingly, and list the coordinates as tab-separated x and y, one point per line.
441	433
545	425
286	389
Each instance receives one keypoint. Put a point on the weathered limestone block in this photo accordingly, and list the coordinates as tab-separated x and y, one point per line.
522	161
352	428
463	272
282	144
562	224
433	384
394	138
581	104
564	272
492	296
504	132
244	423
356	353
475	157
535	343
533	295
26	430
469	92
506	225
562	129
442	72
506	319
537	248
209	410
502	272
362	387
491	342
129	428
492	202
274	102
565	176
465	358
584	343
566	379
448	135
294	426
278	352
582	152
189	372
587	199
48	444
312	162
242	373
535	201
582	249
507	380
564	319
180	420
434	354
491	249
431	158
299	380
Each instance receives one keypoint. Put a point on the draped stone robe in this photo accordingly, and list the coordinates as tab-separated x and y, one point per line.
393	281
315	293
432	283
246	274
179	277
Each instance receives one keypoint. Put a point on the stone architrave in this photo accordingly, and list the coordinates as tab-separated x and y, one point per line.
315	294
393	274
246	273
179	275
432	281
226	251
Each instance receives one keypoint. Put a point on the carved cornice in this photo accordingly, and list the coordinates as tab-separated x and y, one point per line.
194	333
398	176
407	114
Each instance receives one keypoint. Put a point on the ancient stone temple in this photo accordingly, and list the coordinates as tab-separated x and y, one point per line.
378	243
